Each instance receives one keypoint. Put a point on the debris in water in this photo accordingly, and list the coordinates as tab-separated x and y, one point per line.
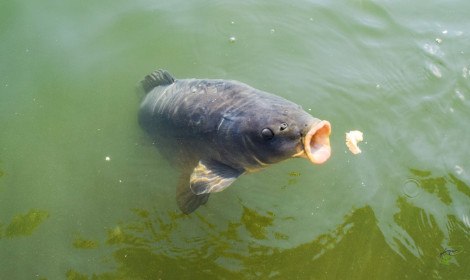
446	256
352	138
294	174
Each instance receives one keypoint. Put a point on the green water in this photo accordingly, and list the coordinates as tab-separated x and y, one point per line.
85	195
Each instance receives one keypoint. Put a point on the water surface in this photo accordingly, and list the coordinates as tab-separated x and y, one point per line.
85	195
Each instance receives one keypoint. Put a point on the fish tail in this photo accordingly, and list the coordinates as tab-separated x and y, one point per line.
156	78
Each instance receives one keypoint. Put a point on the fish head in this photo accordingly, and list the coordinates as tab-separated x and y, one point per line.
292	133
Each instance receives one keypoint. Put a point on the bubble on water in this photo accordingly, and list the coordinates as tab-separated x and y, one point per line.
232	22
272	30
444	31
438	40
232	39
435	70
465	72
432	49
107	158
458	169
459	94
411	188
193	89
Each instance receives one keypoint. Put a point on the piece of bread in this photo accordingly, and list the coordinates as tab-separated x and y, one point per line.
352	138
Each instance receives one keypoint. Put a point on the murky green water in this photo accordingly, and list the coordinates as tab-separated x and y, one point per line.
84	194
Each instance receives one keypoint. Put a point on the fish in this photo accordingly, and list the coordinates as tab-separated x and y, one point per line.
216	130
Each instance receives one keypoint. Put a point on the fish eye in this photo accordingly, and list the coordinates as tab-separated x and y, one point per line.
283	126
267	134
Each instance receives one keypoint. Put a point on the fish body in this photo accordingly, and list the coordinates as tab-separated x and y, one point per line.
216	130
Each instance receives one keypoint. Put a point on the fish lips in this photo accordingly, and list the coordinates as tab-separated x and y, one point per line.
316	142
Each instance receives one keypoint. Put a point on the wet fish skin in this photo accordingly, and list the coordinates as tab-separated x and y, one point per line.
215	130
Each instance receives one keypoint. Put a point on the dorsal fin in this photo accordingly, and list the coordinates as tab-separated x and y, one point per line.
156	78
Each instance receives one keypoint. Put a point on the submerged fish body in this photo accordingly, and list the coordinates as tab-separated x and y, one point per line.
216	130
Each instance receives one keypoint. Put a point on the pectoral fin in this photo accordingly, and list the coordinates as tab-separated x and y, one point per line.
186	200
212	176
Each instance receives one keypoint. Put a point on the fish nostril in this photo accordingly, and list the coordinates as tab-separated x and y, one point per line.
283	126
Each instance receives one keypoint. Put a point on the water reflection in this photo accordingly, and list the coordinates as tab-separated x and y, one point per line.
423	224
255	223
433	185
24	224
81	243
431	240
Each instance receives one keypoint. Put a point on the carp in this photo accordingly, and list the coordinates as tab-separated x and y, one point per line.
215	130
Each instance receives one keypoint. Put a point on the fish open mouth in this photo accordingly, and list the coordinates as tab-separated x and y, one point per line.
317	142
